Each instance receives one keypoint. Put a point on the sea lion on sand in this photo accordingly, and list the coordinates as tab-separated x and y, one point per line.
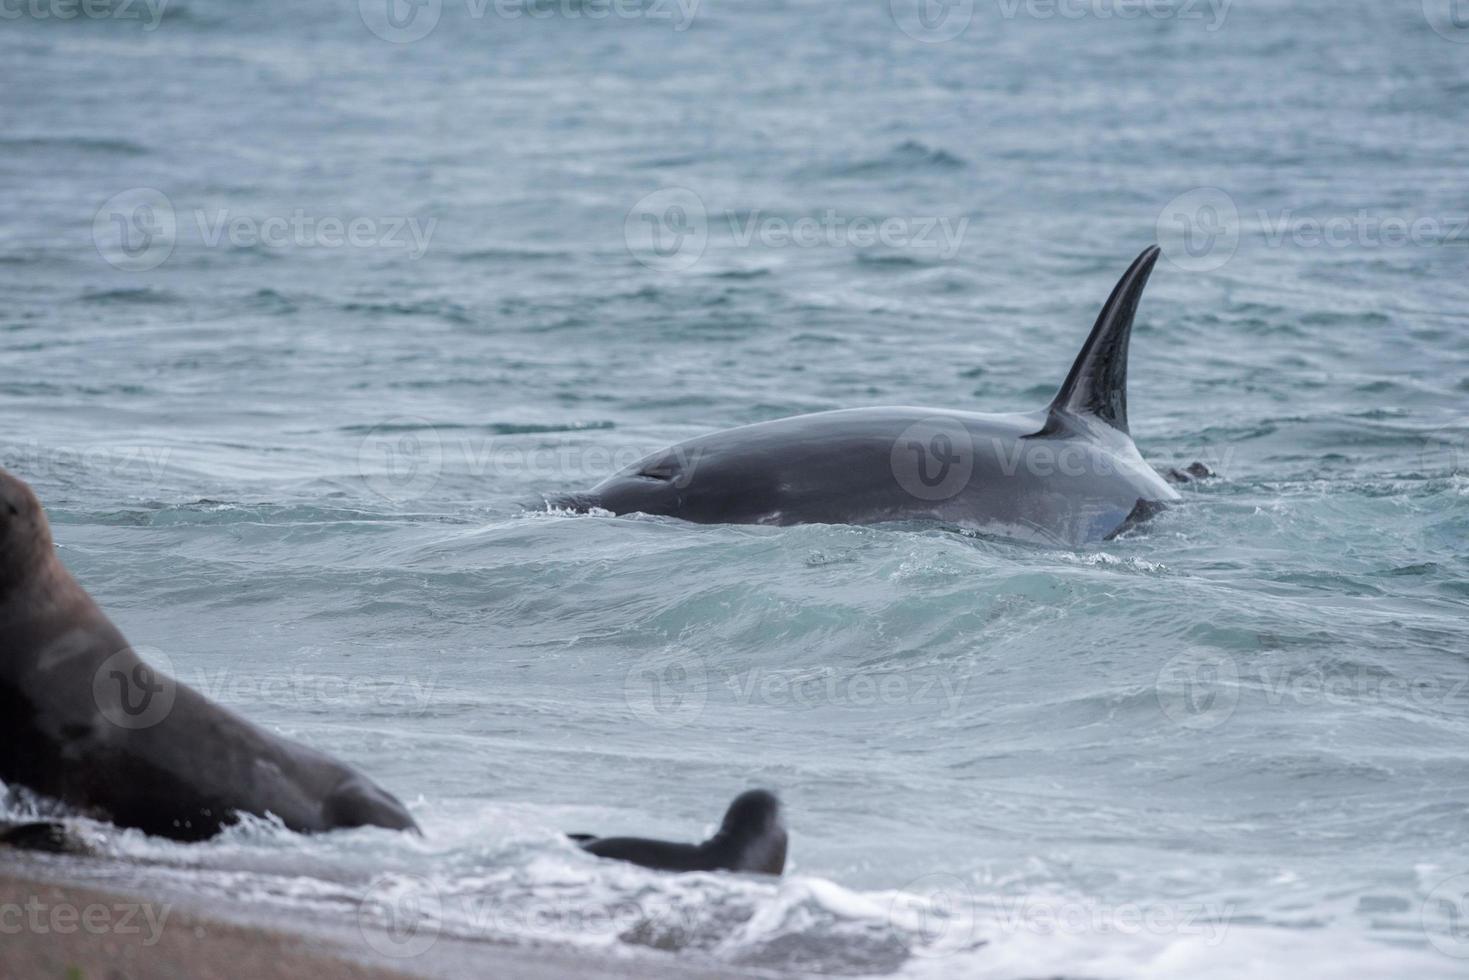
86	721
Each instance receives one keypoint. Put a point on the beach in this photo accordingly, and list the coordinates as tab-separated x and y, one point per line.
55	928
312	314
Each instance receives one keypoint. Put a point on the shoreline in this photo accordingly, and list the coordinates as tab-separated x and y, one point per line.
57	921
72	932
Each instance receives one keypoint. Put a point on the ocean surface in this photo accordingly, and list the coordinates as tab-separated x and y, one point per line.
305	309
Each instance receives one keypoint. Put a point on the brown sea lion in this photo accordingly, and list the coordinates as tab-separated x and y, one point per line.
84	720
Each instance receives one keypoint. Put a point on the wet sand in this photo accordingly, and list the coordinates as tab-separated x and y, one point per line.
52	926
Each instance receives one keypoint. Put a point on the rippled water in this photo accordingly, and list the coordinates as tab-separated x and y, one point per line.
378	299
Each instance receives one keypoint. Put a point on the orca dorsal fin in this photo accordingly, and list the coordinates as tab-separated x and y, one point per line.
1097	384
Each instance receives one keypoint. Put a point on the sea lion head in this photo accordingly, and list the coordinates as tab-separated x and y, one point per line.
752	814
25	534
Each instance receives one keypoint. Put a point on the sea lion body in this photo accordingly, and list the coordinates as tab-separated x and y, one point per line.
84	720
750	839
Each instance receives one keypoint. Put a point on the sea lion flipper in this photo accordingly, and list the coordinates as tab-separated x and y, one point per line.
750	839
357	802
660	855
1142	512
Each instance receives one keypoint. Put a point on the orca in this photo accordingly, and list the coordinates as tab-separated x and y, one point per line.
1068	474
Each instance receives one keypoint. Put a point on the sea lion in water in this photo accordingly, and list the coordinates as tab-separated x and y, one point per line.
1068	474
751	838
79	723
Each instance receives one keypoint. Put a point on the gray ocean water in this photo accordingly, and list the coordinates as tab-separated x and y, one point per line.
304	309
